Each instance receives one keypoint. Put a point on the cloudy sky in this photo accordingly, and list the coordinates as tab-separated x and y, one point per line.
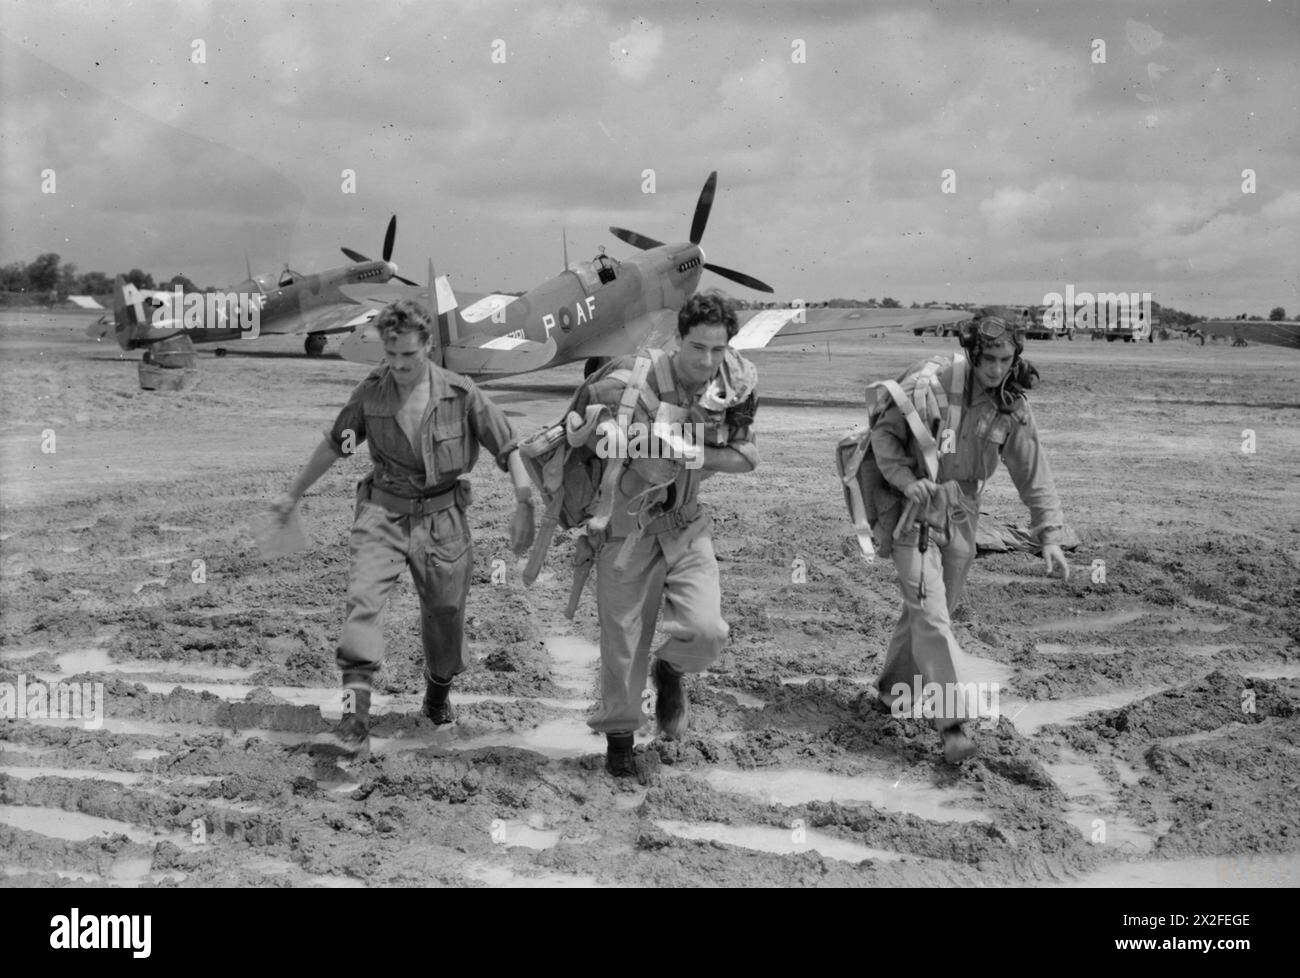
183	135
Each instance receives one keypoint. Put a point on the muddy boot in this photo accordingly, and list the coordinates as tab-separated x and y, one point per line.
672	707
352	735
437	706
619	760
957	744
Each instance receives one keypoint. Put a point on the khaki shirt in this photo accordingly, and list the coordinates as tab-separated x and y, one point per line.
458	419
983	437
640	476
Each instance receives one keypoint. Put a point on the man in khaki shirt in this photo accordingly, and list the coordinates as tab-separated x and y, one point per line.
424	426
995	423
659	549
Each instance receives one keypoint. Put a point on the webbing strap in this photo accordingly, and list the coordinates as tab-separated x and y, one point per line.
633	390
956	393
924	440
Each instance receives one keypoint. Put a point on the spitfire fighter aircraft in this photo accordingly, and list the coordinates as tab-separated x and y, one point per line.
289	303
606	308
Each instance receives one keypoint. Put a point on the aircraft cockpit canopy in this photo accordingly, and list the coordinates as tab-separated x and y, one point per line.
288	277
598	272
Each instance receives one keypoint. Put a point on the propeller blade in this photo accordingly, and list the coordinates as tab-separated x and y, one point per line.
406	281
635	240
702	207
389	236
354	255
740	277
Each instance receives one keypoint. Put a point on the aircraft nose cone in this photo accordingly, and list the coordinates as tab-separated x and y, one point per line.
392	269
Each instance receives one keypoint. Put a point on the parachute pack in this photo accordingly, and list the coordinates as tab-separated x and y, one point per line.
928	408
576	485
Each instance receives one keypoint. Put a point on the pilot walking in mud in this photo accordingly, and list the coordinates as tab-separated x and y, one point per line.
424	425
988	419
657	549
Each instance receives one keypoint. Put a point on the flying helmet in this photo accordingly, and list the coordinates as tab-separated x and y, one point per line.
993	326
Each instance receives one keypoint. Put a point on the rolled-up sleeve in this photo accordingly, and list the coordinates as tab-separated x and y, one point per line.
1027	465
352	419
490	426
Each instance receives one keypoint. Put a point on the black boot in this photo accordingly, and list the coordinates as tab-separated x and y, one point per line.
672	708
437	707
619	760
352	735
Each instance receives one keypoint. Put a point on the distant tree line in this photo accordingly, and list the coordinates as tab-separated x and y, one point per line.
49	279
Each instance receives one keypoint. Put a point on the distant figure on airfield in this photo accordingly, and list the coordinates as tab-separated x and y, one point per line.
425	425
990	420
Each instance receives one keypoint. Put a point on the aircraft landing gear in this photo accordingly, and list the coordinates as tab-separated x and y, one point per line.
314	344
220	351
592	365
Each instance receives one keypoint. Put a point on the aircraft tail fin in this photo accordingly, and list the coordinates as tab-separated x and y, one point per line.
130	319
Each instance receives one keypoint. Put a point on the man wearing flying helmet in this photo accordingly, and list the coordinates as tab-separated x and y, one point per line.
934	546
657	548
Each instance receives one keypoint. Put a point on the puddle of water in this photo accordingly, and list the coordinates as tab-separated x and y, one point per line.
1288	670
63	874
555	738
9	747
1089	623
1127	773
96	660
117	777
797	787
1056	648
514	832
575	662
508	876
76	827
829	677
1092	808
1192	625
265	866
766	838
1208	871
747	700
1029	716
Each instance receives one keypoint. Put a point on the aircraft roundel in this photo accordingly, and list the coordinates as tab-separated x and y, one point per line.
565	318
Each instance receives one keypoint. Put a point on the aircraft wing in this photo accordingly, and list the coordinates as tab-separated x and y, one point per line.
474	307
476	356
771	327
340	318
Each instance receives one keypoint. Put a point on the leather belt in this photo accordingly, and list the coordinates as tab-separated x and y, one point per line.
416	506
673	520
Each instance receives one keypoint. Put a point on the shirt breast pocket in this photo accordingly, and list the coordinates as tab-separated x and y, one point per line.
995	430
448	438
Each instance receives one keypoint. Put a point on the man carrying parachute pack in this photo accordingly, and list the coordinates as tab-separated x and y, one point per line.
626	465
913	482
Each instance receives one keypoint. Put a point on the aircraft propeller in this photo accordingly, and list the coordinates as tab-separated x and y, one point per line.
701	218
389	237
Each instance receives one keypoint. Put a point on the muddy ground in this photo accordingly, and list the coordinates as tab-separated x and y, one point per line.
1148	731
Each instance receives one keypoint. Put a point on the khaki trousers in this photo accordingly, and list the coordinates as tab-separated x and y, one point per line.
684	577
923	648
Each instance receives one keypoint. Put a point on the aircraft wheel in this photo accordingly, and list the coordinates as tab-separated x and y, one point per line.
1069	335
592	365
315	344
220	351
